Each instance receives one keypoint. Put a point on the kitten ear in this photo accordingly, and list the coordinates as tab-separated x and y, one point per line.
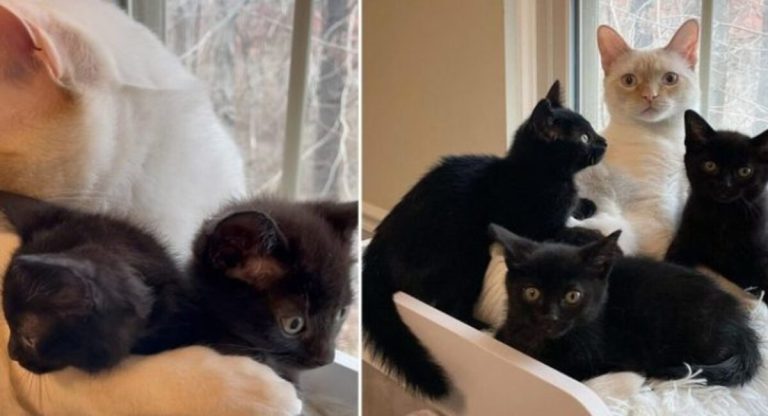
601	254
543	119
62	277
343	217
23	45
554	95
246	245
761	143
611	46
697	130
516	248
686	42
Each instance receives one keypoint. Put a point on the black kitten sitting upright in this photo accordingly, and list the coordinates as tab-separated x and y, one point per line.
434	244
273	279
585	311
85	290
724	224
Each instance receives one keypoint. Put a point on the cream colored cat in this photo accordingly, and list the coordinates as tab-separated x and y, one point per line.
98	114
641	186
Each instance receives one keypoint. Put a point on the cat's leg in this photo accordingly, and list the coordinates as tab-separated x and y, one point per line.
585	208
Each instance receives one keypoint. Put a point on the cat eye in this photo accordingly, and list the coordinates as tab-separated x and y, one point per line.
531	294
744	172
584	138
28	342
670	78
292	325
709	167
628	80
341	314
573	297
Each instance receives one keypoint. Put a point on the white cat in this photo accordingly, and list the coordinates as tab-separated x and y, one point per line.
641	186
98	114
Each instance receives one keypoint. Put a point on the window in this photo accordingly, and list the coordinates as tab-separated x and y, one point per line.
733	59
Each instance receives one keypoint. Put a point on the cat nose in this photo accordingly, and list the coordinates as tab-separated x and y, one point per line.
649	95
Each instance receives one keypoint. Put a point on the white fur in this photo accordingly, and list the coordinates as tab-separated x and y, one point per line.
641	186
628	393
116	124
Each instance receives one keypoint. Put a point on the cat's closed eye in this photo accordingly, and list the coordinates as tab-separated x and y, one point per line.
628	80
292	325
531	294
709	167
670	78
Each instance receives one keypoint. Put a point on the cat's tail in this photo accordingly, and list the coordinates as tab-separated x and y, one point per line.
736	370
390	340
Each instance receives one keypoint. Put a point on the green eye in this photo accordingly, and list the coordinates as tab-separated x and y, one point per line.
709	166
531	294
573	297
292	325
744	172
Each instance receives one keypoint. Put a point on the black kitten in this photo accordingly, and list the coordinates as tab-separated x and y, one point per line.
85	290
585	311
274	280
434	244
724	222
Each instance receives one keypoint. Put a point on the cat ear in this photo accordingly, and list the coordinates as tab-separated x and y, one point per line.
611	46
600	255
697	130
24	45
63	278
517	249
543	119
761	143
686	42
554	95
248	246
343	216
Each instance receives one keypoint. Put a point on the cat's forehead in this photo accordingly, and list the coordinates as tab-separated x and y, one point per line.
652	62
553	264
728	146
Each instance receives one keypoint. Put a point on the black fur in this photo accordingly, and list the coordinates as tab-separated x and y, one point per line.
260	264
434	245
633	314
85	290
724	222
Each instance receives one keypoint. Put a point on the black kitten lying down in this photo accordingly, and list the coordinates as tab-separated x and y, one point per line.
434	243
274	280
85	290
585	311
725	222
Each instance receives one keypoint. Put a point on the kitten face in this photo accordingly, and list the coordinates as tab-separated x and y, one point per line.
283	288
724	166
58	317
565	135
650	85
554	288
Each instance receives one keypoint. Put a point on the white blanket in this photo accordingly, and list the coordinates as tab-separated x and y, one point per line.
632	394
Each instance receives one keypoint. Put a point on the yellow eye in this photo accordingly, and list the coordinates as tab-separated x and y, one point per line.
670	78
709	166
531	294
573	297
744	172
628	80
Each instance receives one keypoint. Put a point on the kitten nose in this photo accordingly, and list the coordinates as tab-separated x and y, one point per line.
650	96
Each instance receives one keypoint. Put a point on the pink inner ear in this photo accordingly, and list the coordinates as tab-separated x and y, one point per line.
611	46
21	40
686	42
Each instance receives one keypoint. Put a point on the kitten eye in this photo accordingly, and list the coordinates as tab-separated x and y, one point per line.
744	172
670	78
341	314
584	138
531	294
292	325
709	167
628	80
573	297
28	342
